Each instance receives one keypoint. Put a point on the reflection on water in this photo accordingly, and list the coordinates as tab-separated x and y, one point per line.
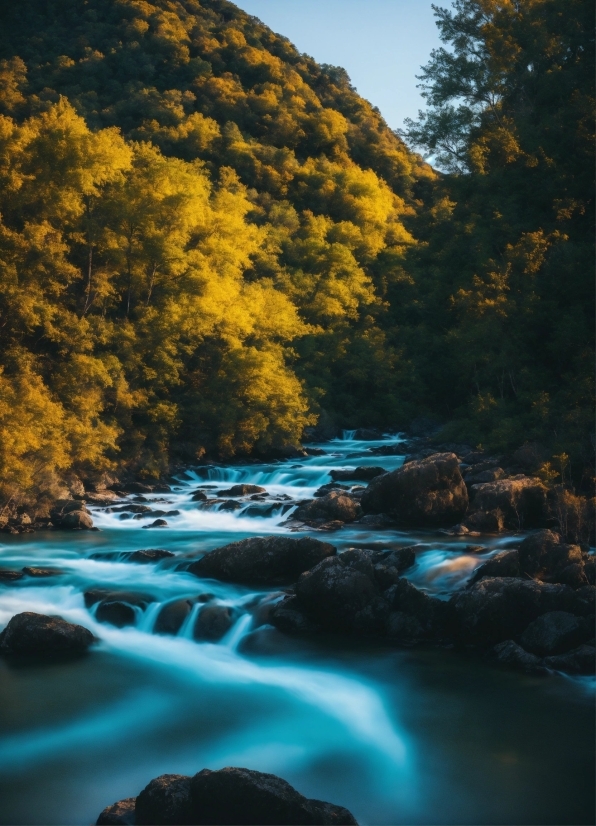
398	737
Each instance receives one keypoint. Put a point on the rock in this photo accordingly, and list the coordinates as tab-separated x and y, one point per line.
477	478
288	617
546	557
41	572
150	555
71	514
242	490
121	813
10	576
116	613
389	450
581	660
199	496
341	594
106	497
37	634
165	802
505	563
429	492
315	451
521	500
511	654
230	505
271	560
325	489
241	796
433	616
335	505
137	487
228	796
404	629
171	617
357	474
130	508
159	523
485	521
213	622
367	434
499	608
390	565
555	632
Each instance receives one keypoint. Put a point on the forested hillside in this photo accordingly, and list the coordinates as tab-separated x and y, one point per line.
208	241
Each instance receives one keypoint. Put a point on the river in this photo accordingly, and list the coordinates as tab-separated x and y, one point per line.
397	736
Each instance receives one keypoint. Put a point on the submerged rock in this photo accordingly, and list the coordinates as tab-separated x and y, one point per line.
424	493
36	634
213	622
171	617
270	560
242	490
357	474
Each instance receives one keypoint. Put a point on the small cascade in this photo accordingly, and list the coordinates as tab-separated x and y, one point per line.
147	620
188	626
239	630
348	435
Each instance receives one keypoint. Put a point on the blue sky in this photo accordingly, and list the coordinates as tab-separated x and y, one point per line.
381	43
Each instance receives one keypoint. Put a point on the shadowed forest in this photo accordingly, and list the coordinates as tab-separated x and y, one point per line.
209	242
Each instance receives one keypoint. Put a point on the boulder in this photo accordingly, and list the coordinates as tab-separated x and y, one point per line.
213	622
36	634
199	496
389	565
71	514
556	632
334	505
158	523
270	560
116	613
121	813
499	608
7	575
505	563
357	474
546	557
474	477
234	796
149	555
416	616
41	573
582	660
242	490
288	617
511	654
171	617
165	802
521	500
485	521
341	594
424	493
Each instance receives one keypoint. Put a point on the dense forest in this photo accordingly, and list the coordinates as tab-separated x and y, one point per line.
208	241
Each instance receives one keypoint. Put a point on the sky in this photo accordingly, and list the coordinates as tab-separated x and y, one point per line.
381	43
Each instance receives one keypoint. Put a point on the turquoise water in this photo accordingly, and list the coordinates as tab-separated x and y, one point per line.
399	737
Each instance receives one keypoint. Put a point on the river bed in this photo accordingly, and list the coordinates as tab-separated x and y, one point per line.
397	736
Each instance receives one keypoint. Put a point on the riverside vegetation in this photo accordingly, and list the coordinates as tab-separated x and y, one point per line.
209	242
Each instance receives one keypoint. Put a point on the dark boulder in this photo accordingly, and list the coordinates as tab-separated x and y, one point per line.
41	573
71	514
116	613
520	500
171	617
199	496
158	523
357	474
149	555
513	655
499	608
288	617
230	505
505	563
242	490
241	796
335	505
429	492
556	632
341	594
582	660
165	802
7	575
213	622
121	813
424	617
39	635
271	560
231	796
546	557
485	521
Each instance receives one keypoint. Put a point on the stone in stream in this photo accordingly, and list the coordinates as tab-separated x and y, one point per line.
171	617
336	505
518	502
41	572
242	490
500	608
425	493
199	496
39	635
270	560
70	514
159	523
505	563
513	655
213	622
581	660
555	633
546	557
121	813
10	576
143	557
231	795
116	607
357	474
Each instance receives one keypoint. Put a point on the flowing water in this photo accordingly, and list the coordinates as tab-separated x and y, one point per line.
397	736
